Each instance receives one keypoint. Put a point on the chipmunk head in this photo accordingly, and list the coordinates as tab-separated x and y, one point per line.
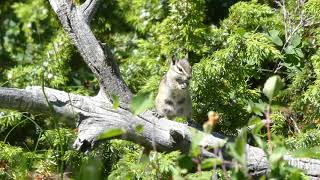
181	70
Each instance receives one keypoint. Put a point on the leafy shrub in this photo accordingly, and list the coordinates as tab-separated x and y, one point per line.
232	55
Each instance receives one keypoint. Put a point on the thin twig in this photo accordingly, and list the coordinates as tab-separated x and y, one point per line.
268	120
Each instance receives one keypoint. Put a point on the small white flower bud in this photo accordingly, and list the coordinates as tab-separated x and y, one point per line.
9	76
50	76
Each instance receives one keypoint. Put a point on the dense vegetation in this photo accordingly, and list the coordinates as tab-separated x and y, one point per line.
233	46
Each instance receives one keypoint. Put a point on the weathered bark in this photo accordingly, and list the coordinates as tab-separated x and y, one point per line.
96	115
100	60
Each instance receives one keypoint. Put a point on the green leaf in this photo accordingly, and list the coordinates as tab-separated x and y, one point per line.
260	142
254	121
257	108
210	162
240	143
296	40
234	153
139	128
290	50
237	174
299	52
311	152
185	162
255	124
238	148
141	102
272	86
277	154
111	133
274	34
116	102
196	138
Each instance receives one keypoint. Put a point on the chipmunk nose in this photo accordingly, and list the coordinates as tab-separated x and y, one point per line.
188	77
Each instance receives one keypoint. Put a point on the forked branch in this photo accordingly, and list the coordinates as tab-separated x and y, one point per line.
88	9
100	60
96	115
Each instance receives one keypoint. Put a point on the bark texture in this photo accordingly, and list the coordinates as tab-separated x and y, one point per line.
95	115
100	60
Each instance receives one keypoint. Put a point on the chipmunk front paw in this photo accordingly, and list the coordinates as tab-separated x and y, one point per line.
156	114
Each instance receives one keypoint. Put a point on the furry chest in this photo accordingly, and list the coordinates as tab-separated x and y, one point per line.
179	101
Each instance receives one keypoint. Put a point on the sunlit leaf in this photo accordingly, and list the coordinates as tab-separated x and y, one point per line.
141	102
289	50
139	128
210	162
254	121
272	86
260	142
274	34
111	133
255	124
299	52
116	102
196	138
312	152
240	145
296	40
277	154
256	108
238	148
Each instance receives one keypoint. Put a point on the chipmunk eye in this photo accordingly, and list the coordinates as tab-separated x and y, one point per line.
179	69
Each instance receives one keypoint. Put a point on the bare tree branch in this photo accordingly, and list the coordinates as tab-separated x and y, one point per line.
54	5
99	59
311	167
32	100
88	9
96	116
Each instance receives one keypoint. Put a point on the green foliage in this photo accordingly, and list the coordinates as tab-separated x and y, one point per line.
305	140
111	133
15	162
143	65
251	16
275	150
56	137
116	102
233	54
34	56
223	79
312	152
272	87
274	35
279	124
312	9
141	102
238	148
52	67
9	119
139	166
186	17
91	169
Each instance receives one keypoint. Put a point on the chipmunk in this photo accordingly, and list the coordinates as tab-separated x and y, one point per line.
173	99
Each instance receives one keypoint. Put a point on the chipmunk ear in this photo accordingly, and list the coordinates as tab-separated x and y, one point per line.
174	59
187	56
